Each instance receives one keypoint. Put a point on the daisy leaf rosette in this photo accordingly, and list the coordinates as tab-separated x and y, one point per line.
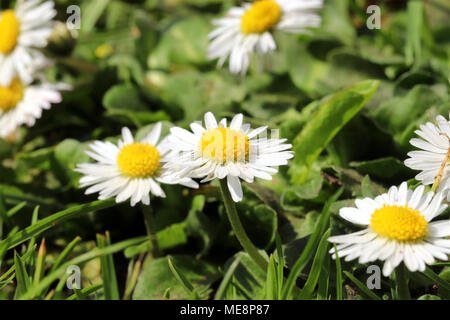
23	30
130	170
233	152
433	160
248	29
398	228
22	103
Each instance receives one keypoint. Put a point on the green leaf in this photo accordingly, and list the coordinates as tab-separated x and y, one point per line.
339	282
271	282
413	49
67	155
420	104
23	281
248	279
221	290
385	168
108	270
126	101
185	42
316	268
313	241
429	297
180	277
91	12
325	124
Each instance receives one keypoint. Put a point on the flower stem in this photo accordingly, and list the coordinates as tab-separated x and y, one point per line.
238	229
149	221
402	283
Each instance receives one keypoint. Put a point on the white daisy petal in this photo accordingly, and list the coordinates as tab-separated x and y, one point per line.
234	185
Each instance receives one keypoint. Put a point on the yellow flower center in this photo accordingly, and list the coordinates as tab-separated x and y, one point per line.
224	144
11	95
262	15
399	223
9	31
138	160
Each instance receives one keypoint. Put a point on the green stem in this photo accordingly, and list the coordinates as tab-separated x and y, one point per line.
238	229
402	283
150	226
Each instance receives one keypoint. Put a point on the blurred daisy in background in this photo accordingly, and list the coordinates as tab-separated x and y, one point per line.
22	31
130	170
434	159
398	228
22	103
248	29
234	152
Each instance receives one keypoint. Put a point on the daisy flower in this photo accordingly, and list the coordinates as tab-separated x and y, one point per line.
21	103
234	152
434	159
398	228
248	29
130	170
22	31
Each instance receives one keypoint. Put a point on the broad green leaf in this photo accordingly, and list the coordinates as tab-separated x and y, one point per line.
67	155
185	42
325	124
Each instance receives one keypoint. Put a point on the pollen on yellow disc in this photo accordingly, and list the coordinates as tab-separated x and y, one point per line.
9	31
399	223
11	95
261	16
224	144
138	160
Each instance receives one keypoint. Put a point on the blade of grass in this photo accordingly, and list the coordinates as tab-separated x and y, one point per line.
56	218
435	278
111	289
312	243
23	280
362	287
4	246
25	258
220	293
35	290
131	282
316	268
40	263
34	219
339	289
271	281
324	280
2	213
280	266
188	287
65	253
86	291
11	212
